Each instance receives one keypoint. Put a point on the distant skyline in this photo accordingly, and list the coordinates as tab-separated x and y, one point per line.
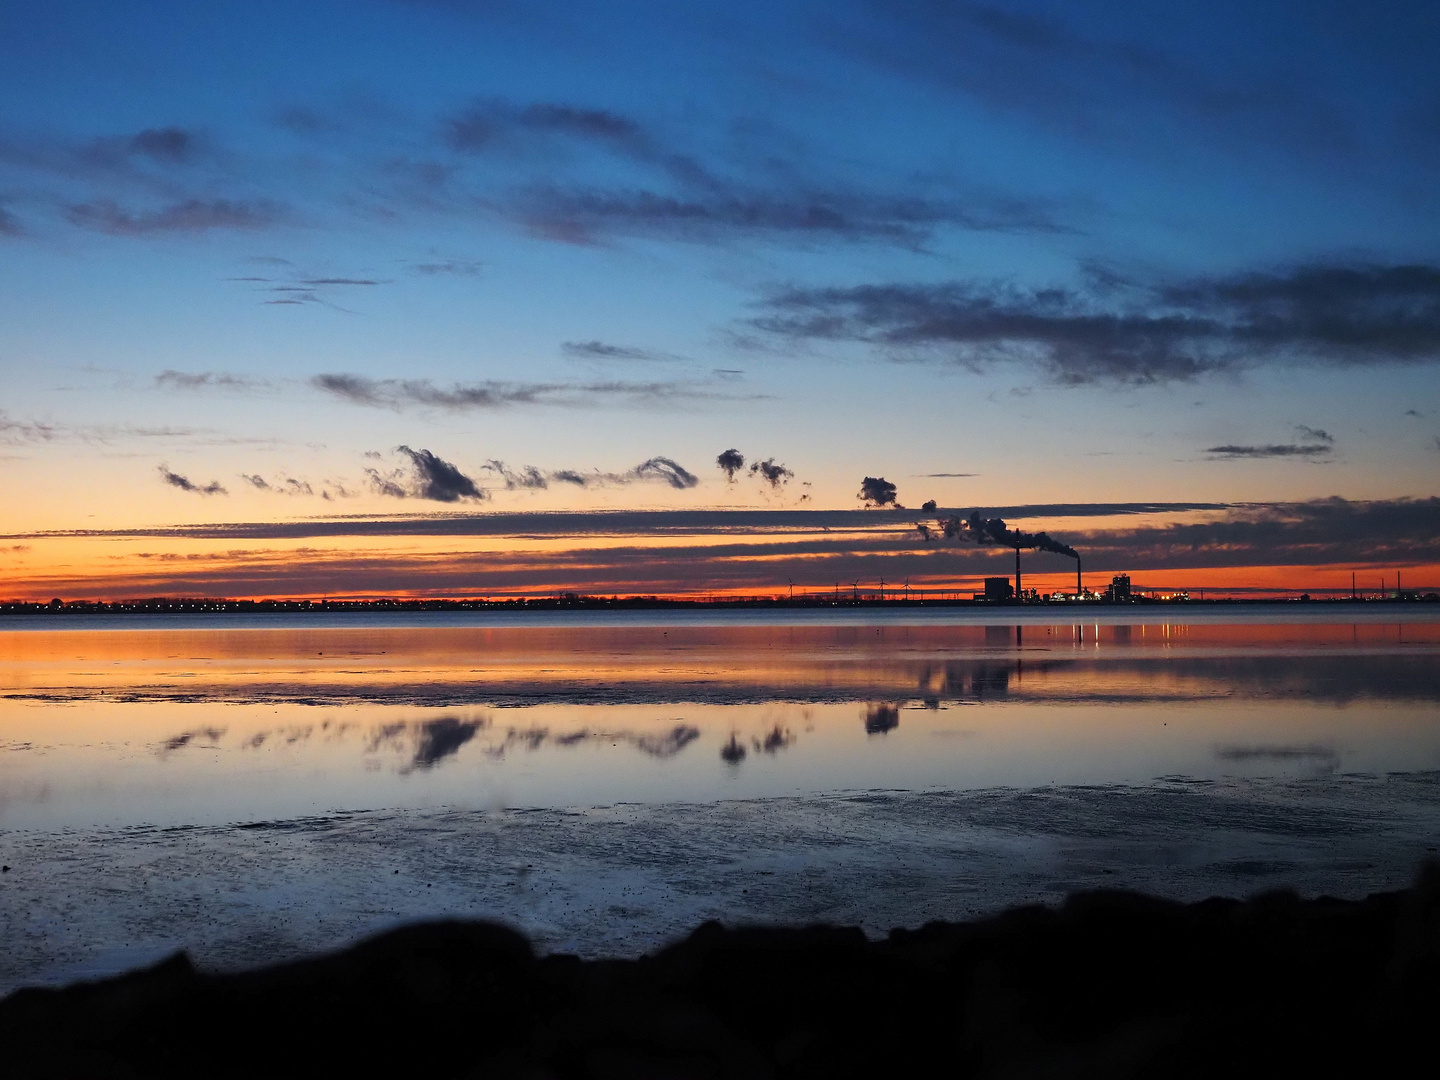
469	298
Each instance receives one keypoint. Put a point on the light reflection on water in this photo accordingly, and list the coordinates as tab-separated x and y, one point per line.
203	724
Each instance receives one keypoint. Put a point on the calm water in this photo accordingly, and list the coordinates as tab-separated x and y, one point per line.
234	719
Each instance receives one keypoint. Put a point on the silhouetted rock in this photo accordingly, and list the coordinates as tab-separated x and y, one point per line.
1111	984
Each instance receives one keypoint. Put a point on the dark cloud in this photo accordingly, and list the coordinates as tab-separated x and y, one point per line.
599	350
773	473
191	215
946	475
400	394
730	462
184	483
640	523
666	471
427	477
1271	450
877	491
341	281
1415	413
1137	333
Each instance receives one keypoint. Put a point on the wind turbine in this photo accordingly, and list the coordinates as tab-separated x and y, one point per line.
856	586
792	587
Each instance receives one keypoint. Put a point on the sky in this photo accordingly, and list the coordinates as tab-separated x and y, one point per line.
464	298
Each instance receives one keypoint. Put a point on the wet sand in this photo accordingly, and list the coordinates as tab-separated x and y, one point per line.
623	880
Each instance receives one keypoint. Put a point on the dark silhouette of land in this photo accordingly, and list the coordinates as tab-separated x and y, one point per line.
1110	984
578	602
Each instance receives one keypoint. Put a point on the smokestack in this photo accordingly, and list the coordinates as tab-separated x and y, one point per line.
1017	574
1079	589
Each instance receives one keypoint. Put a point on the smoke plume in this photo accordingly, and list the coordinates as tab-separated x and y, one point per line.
993	531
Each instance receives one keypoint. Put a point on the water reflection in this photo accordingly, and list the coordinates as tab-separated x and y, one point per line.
881	718
129	726
491	667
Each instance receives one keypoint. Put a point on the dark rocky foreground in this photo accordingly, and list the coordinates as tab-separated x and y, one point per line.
1110	984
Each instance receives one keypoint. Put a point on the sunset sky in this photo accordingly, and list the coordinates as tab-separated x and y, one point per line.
465	298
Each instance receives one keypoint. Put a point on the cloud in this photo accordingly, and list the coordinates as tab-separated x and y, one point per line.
171	379
401	394
585	216
1364	315
730	462
188	216
877	491
167	145
10	224
755	551
599	350
1315	434
638	523
1272	450
666	471
451	267
946	475
773	473
1076	79
290	485
663	192
184	483
428	477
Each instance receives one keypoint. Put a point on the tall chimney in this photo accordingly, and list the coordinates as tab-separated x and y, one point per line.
1079	589
1017	574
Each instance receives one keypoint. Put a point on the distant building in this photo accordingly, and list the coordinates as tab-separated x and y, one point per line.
998	588
1119	590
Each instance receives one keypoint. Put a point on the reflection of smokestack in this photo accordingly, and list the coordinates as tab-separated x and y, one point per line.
1017	573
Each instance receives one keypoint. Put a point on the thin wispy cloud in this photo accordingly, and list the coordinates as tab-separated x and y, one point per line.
403	394
171	379
600	350
188	216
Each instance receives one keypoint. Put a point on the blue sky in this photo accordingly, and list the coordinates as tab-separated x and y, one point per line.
1081	251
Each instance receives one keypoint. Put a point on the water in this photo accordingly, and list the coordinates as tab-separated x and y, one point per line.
253	786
